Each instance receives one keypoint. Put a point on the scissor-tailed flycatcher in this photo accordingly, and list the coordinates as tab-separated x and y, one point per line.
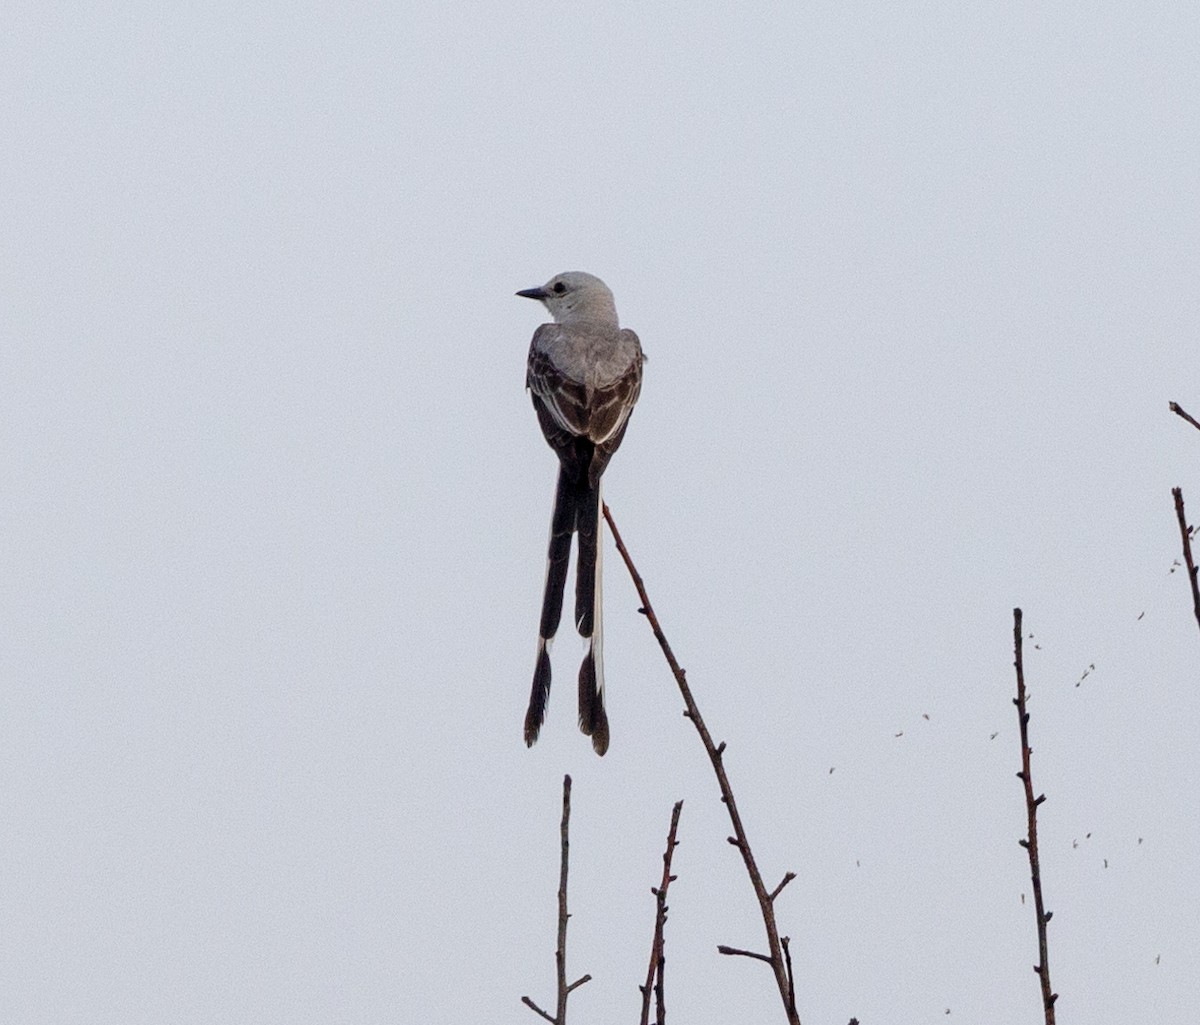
584	375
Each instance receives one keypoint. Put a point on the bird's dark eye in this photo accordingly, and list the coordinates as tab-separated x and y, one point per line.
559	287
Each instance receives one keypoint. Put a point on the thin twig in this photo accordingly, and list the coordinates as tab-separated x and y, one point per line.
1180	411
530	1004
660	996
1030	842
735	952
560	953
785	941
715	755
782	883
654	974
1186	534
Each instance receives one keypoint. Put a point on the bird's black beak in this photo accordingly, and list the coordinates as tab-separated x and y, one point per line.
533	293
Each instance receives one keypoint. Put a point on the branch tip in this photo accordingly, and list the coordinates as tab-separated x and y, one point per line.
654	974
782	883
1185	533
735	952
534	1007
1178	410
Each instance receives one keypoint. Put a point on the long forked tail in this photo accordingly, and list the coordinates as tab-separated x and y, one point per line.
589	617
562	526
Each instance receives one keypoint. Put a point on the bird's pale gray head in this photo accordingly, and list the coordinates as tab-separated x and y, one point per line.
575	296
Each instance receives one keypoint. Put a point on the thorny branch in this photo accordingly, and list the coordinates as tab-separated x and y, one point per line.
654	974
1030	843
1185	532
560	953
716	755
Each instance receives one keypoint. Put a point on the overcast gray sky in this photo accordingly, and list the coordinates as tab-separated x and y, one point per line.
916	283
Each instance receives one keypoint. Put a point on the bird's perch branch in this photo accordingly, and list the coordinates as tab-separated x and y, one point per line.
1178	410
775	958
560	953
1030	843
1186	534
654	974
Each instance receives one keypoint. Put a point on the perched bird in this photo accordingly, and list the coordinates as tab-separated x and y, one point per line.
584	376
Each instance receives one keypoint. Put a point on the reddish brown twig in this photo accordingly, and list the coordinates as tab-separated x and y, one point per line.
716	755
1030	842
654	974
1177	409
560	954
1185	533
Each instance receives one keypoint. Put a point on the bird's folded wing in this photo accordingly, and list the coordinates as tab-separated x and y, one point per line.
588	383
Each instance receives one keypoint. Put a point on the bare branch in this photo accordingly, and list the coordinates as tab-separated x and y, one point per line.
735	952
654	974
782	883
530	1004
560	952
785	941
1185	533
716	756
1177	409
1030	842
